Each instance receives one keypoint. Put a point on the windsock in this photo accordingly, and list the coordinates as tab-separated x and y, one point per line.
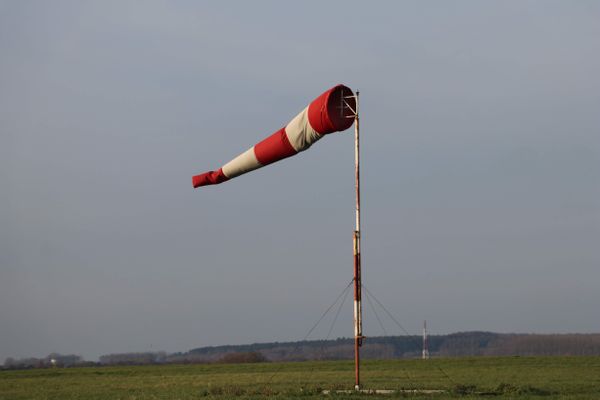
333	111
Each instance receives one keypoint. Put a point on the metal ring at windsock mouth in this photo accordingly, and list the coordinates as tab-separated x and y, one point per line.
333	111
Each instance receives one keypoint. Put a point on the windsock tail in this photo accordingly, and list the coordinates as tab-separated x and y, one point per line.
209	178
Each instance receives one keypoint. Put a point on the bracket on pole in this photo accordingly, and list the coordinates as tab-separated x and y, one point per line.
344	105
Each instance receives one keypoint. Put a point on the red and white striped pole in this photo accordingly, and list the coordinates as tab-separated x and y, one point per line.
358	337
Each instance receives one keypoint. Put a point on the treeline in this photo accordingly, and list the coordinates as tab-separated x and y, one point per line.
51	360
389	347
146	358
231	357
55	360
386	347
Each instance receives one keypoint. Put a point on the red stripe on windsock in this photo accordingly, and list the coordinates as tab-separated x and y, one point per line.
274	148
209	178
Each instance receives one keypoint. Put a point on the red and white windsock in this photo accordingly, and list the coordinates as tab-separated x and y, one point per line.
333	111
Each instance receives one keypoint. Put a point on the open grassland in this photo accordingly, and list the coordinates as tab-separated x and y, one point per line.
481	377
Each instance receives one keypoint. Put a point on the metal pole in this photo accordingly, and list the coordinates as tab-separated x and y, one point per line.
357	282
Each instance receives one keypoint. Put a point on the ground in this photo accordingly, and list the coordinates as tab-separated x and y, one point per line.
477	377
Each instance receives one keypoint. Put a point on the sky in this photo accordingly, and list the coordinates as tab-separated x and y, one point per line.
480	151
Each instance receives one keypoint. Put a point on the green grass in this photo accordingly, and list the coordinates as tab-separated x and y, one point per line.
468	378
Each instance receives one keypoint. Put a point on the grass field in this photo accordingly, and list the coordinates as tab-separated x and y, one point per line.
480	377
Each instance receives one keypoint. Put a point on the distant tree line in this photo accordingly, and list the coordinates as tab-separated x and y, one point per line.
55	360
51	360
385	347
146	358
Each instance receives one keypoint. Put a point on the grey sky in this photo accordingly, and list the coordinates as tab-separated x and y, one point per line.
481	168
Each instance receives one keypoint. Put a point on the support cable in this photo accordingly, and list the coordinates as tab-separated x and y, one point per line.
408	335
323	349
337	314
386	311
328	309
335	319
368	296
343	293
406	374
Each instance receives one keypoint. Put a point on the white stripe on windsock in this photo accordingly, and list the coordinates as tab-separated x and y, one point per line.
243	163
300	133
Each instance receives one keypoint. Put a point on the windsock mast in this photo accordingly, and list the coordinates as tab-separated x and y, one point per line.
358	336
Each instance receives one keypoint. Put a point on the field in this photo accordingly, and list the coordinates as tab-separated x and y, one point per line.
481	377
